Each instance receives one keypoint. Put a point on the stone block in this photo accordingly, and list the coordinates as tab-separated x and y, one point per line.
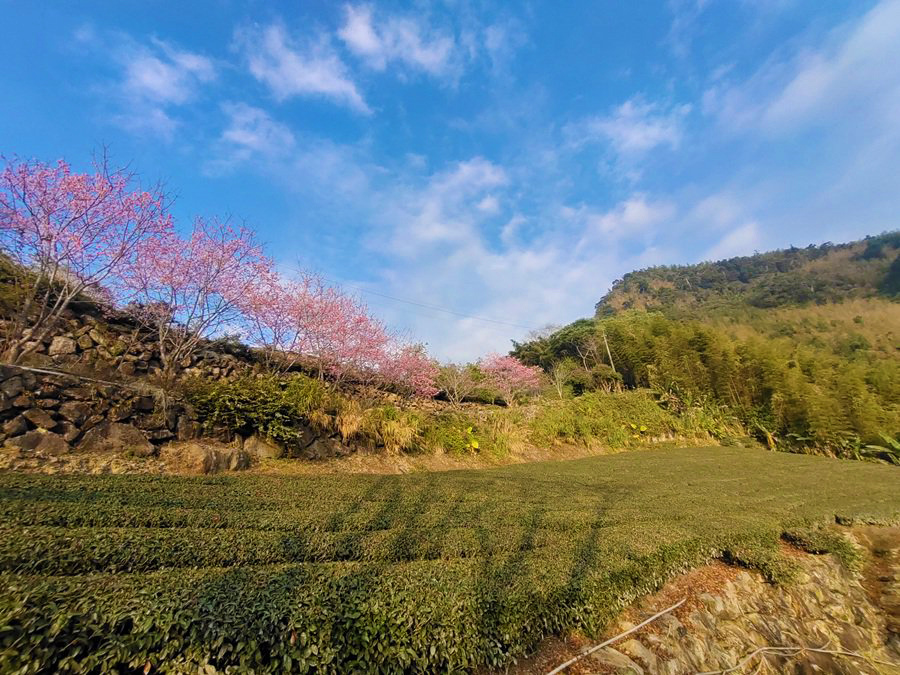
68	431
196	457
62	345
15	426
98	337
115	437
41	441
12	387
40	418
145	404
263	448
23	401
53	444
75	411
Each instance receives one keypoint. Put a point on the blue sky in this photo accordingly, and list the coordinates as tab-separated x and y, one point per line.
500	160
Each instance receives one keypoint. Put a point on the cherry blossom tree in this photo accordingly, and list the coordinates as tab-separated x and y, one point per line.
410	369
66	235
303	320
189	289
344	339
510	377
279	316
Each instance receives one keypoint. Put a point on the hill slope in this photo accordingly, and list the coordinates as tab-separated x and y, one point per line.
801	346
816	274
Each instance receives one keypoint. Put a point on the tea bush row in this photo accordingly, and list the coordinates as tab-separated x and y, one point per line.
435	616
69	551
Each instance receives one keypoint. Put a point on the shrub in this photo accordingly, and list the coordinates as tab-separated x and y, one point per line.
511	378
391	428
613	420
275	407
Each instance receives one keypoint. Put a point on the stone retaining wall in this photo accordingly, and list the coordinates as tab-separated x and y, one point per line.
827	607
54	414
114	344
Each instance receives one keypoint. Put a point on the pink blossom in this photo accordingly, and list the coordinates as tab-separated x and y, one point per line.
74	233
510	377
409	368
188	289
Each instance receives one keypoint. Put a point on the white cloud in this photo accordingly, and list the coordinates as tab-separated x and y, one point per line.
490	205
442	251
289	69
743	240
155	79
502	40
447	209
428	238
152	120
851	77
249	133
394	38
253	129
173	80
832	100
633	128
635	214
716	211
510	231
635	218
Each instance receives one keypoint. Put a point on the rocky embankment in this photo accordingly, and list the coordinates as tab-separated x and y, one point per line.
829	620
86	402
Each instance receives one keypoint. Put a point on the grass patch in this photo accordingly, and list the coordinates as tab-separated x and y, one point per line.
422	572
617	420
826	540
282	408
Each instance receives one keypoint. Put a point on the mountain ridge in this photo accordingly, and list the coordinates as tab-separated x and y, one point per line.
815	274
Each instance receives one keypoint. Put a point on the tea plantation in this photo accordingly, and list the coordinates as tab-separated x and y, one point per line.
426	572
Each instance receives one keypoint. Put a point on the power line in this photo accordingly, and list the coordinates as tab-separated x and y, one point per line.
435	308
444	309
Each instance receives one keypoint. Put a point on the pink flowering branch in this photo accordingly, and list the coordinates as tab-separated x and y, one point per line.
66	234
304	320
410	369
189	289
510	377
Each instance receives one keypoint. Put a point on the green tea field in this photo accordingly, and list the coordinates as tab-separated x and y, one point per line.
423	572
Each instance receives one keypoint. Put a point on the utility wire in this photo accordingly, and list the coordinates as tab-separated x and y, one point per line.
435	308
444	309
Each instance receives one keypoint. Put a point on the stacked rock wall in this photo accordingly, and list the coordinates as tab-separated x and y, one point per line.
850	622
113	344
53	414
88	388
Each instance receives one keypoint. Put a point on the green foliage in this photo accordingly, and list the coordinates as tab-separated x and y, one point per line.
606	419
888	450
818	274
463	432
276	407
281	408
768	561
826	540
890	286
449	572
394	429
795	383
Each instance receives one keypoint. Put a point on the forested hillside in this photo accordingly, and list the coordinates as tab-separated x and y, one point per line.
794	276
800	346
